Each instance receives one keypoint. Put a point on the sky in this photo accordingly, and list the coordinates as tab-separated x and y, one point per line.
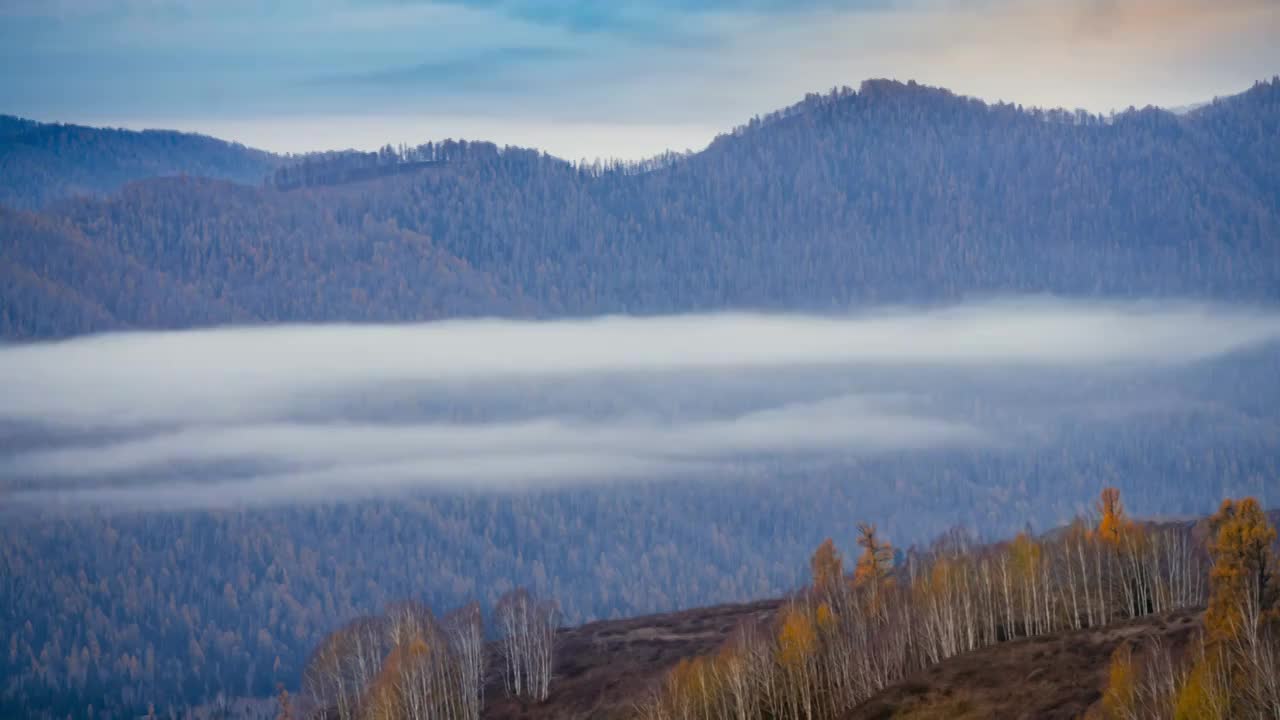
233	416
593	78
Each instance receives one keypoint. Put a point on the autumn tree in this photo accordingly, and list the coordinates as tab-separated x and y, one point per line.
827	567
1237	670
797	645
1120	701
829	652
1027	561
876	559
1206	692
345	665
1128	544
402	665
1112	520
1241	576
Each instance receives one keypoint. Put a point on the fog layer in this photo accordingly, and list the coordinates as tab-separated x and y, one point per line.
235	415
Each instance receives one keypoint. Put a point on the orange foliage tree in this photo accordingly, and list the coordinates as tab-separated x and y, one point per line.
1112	520
876	558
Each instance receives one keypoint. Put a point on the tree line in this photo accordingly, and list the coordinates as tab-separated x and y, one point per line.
849	636
1232	669
406	665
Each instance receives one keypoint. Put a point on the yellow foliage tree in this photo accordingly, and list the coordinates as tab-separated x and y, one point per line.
825	618
386	698
1025	553
797	639
383	699
1203	696
827	566
1120	701
1242	566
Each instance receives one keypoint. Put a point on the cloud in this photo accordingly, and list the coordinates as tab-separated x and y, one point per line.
243	372
1152	17
566	139
851	422
297	461
488	66
274	414
239	69
658	20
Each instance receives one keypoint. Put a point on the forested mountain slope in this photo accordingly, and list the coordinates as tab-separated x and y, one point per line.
229	253
41	163
896	192
65	283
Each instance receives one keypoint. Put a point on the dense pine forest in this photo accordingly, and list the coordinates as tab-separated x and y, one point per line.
893	193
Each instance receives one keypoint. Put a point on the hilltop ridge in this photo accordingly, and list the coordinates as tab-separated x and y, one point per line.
898	193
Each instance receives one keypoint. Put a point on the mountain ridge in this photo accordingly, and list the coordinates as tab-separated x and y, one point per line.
897	193
42	163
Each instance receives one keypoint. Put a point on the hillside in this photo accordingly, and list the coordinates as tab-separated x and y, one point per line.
605	668
41	163
612	669
894	193
1057	676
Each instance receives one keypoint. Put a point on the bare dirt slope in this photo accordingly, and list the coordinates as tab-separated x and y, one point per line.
1054	676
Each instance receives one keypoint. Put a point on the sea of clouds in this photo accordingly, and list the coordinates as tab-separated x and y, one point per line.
244	415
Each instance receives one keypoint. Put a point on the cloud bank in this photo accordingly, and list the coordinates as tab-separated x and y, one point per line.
271	414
